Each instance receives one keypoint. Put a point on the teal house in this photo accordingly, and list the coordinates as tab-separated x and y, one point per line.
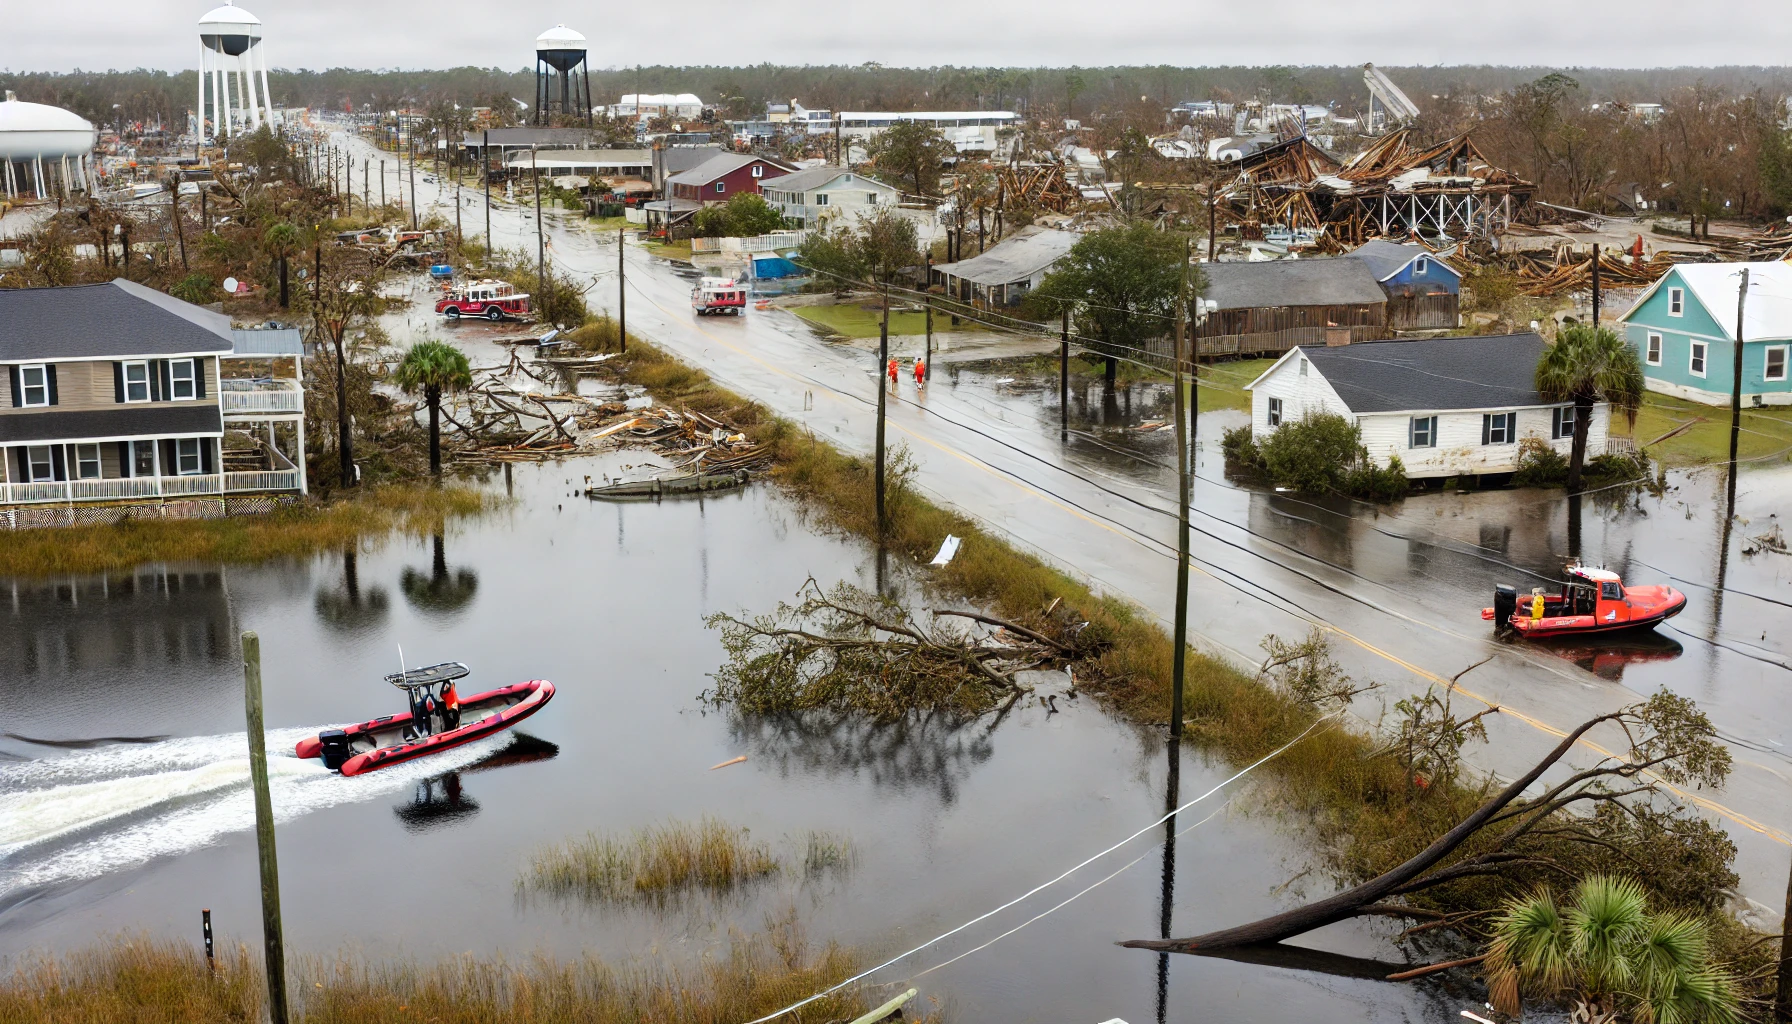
1684	328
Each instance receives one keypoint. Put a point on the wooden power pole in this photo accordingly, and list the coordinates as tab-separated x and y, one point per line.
264	831
1179	644
1736	380
883	391
621	293
1064	376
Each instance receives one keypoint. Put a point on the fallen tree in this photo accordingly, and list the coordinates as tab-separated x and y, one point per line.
1668	741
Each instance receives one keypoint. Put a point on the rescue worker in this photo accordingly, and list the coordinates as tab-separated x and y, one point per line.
920	372
892	369
450	707
1537	604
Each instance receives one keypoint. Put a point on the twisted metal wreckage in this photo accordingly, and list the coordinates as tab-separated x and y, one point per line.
1390	189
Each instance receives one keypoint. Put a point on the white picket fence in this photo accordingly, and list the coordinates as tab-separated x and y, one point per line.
757	243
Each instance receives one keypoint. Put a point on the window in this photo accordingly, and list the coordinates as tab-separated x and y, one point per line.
1423	433
34	386
38	464
143	458
1275	412
1775	367
1561	422
1653	355
821	199
1420	266
1697	363
1611	591
1496	427
758	170
180	377
186	456
721	186
1676	301
136	382
1303	367
87	461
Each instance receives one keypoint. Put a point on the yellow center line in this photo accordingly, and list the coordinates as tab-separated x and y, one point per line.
1776	834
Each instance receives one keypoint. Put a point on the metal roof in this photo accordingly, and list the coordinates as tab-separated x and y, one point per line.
1329	281
267	341
97	321
812	178
1016	258
1767	315
1432	375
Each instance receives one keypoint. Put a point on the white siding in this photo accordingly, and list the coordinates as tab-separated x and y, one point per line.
1299	395
1459	451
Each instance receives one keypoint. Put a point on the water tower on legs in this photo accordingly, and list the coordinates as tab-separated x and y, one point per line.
562	78
231	54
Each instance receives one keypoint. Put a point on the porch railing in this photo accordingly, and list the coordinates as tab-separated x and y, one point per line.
248	397
150	487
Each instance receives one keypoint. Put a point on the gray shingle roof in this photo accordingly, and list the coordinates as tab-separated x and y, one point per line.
716	167
1490	372
96	321
1316	282
815	177
132	421
1385	259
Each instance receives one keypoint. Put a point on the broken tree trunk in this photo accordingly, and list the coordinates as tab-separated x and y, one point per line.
1353	902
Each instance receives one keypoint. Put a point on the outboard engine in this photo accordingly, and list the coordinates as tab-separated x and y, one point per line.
335	750
1505	603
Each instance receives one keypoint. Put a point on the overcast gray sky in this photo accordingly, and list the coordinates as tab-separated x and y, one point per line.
44	36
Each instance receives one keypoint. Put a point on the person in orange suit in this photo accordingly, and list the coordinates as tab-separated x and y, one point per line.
892	369
920	372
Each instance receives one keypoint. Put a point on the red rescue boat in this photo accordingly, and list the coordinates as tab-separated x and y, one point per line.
1590	601
439	720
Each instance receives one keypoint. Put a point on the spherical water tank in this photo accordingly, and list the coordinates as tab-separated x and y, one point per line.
229	30
561	48
30	130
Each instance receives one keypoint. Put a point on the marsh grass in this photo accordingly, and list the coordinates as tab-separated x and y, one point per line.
296	532
662	862
137	981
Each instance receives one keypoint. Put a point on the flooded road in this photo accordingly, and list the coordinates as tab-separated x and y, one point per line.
1399	587
123	804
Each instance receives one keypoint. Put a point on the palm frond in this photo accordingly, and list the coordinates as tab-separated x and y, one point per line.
1607	916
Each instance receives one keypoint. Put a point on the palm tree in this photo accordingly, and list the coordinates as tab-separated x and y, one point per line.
432	367
1587	365
1607	954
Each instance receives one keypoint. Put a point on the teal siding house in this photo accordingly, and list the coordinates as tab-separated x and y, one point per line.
1684	328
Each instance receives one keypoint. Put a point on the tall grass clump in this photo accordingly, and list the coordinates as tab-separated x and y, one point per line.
156	982
302	530
654	863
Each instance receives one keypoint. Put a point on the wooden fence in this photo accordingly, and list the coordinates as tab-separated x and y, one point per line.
1423	312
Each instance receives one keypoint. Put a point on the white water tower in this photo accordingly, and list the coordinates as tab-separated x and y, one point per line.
231	54
32	133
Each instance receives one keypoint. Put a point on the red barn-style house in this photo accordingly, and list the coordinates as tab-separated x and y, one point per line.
722	177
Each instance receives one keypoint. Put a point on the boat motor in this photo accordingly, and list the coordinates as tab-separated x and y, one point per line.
1505	603
335	750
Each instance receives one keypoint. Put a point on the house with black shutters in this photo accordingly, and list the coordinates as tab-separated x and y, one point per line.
117	393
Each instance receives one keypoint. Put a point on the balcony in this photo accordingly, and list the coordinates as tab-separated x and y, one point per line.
127	488
258	398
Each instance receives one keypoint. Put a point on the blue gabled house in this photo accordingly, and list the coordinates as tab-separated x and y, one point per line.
1423	291
1684	329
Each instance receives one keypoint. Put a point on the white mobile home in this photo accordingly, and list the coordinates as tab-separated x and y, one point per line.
1445	406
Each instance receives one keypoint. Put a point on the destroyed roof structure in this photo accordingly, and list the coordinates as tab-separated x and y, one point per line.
1391	189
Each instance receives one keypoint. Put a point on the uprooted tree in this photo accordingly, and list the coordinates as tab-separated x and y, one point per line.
1602	815
851	650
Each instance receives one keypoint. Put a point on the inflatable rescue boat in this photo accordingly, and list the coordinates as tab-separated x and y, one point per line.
439	719
1591	601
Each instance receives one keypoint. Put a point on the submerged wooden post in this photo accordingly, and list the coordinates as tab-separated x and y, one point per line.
264	831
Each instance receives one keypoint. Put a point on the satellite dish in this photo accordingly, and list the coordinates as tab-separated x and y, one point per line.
230	285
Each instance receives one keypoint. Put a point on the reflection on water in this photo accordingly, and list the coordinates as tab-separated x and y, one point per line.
440	592
344	608
923	751
1608	657
441	799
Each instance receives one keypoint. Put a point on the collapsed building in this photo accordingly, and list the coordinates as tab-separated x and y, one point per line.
1449	190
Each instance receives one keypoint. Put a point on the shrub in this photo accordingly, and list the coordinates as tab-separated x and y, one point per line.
1539	464
1617	467
1377	483
1323	452
1241	449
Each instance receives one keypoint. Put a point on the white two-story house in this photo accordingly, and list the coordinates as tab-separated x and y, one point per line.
817	196
1446	406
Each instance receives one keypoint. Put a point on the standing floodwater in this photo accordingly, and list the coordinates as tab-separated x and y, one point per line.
124	804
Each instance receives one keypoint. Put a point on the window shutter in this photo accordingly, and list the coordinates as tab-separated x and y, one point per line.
124	457
118	383
205	455
1486	428
199	366
155	380
50	375
167	375
17	398
58	465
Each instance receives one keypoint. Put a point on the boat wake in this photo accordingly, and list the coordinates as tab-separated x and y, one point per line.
71	818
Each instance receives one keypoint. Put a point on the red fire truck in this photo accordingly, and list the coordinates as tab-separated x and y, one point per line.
714	296
488	298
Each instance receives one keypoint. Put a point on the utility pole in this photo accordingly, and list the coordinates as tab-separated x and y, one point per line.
382	183
413	172
366	191
485	171
174	215
459	239
1212	231
927	352
1782	998
1064	376
541	250
1179	644
1595	286
264	831
621	291
883	361
1736	388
